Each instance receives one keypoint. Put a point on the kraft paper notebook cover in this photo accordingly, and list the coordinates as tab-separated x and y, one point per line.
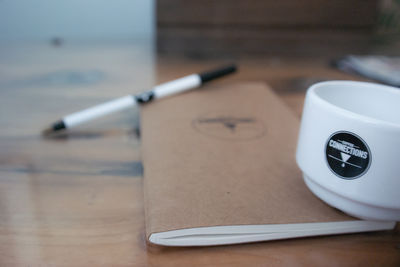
219	168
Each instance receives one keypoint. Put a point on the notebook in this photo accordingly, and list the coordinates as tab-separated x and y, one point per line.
219	168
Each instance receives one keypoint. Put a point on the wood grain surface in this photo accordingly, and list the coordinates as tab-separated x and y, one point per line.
317	13
231	27
76	199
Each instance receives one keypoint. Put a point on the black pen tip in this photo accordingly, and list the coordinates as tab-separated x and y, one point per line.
213	74
56	127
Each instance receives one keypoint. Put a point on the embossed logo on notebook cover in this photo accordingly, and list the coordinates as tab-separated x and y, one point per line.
231	125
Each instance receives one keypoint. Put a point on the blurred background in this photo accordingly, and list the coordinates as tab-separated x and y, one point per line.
89	51
209	28
286	27
80	53
99	20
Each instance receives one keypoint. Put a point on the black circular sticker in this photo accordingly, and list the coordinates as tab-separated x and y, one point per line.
348	156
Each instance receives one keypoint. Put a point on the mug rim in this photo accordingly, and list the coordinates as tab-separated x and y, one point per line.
349	113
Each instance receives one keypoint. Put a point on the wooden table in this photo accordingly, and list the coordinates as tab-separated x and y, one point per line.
77	200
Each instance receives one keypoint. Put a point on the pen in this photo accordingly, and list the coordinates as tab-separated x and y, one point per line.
163	90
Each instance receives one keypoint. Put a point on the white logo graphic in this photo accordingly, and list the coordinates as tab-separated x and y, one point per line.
345	157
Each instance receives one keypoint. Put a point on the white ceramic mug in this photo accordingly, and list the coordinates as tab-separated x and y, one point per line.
349	147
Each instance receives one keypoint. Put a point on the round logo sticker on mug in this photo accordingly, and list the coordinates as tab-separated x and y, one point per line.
347	155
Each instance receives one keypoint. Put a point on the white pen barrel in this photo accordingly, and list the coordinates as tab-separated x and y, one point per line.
166	89
159	91
177	86
99	111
